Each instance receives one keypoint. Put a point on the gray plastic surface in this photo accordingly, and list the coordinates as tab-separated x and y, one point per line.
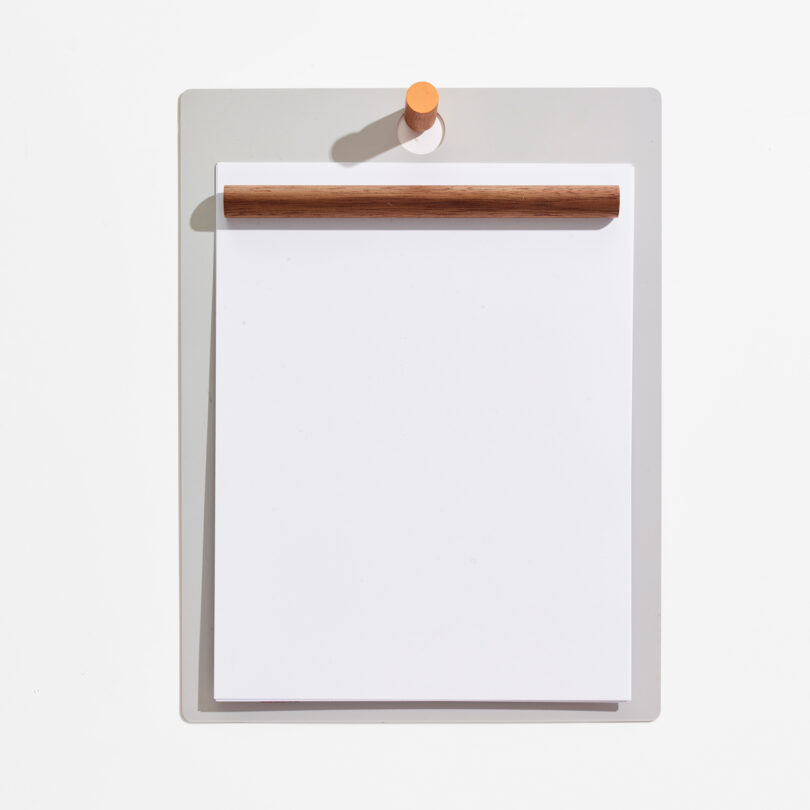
349	126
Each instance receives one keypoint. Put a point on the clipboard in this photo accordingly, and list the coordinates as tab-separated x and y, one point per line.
611	126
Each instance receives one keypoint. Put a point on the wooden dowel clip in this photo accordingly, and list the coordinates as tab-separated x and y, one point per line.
422	201
421	106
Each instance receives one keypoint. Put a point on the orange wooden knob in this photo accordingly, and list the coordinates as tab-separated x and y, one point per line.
421	106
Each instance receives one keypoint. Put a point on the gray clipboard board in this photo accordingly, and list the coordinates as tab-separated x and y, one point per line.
351	126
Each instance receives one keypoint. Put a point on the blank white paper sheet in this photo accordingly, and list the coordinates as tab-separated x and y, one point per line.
423	445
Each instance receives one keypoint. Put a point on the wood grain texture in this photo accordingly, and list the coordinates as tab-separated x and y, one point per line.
422	201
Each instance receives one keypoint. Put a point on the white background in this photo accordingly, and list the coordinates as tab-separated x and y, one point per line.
88	412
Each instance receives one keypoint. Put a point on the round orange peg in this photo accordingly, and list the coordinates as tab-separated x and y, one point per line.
421	106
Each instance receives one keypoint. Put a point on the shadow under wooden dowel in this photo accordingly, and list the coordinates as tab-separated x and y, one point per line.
204	216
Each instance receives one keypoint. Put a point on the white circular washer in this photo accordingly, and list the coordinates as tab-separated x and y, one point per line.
421	143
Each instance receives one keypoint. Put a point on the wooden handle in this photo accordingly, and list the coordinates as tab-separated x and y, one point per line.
421	106
422	201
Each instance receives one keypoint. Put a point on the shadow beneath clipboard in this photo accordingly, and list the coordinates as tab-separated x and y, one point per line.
205	681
